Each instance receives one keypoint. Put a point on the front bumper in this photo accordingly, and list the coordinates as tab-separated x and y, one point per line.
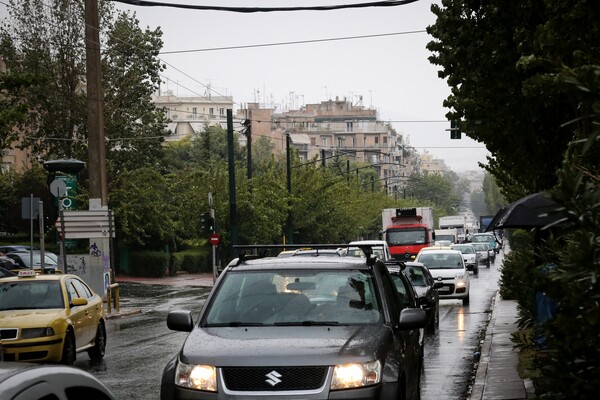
169	391
47	349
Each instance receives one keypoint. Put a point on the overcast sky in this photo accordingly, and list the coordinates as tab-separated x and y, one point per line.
390	70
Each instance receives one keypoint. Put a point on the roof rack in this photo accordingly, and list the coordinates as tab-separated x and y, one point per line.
366	248
396	263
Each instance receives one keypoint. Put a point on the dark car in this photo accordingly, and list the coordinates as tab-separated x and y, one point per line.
24	381
427	294
5	273
302	328
22	260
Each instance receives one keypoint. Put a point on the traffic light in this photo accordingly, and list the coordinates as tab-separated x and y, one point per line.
454	130
207	223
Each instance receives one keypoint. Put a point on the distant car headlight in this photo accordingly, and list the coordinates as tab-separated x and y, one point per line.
31	333
346	376
199	377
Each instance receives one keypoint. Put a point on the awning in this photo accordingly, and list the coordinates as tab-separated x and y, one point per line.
172	126
197	127
300	138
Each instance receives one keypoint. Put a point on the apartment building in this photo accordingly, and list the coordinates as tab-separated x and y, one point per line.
331	128
189	115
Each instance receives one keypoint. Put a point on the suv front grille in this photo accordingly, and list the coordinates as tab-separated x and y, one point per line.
274	378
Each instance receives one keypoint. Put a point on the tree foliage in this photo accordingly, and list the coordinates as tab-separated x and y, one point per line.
501	62
46	41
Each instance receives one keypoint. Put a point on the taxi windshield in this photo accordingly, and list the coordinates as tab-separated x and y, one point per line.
295	297
29	295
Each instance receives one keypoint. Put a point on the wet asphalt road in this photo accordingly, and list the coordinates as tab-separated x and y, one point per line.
139	346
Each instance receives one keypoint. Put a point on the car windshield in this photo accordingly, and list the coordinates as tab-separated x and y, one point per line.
357	252
405	237
28	295
294	297
441	260
482	238
464	249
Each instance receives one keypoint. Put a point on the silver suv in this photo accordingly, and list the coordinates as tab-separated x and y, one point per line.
299	328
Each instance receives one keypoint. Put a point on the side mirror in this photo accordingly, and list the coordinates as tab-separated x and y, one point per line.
412	318
180	320
78	301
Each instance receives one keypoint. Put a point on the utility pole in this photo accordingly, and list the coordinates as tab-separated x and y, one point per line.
290	228
95	102
232	197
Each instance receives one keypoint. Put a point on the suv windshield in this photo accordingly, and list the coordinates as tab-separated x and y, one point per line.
441	260
294	297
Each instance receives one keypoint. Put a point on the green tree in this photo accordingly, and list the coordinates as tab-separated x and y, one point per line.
131	74
501	62
47	41
494	199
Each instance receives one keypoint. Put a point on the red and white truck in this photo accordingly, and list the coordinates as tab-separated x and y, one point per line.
407	230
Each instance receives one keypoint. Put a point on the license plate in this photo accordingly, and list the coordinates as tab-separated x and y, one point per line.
444	289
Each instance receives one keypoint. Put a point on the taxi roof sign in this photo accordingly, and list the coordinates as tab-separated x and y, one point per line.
27	273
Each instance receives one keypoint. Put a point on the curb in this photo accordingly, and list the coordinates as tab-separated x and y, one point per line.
484	359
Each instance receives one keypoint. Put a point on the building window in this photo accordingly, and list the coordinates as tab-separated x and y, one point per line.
349	126
353	141
194	112
324	141
211	112
341	141
376	139
221	112
313	141
385	140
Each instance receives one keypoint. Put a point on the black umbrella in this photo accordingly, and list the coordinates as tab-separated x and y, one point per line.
537	210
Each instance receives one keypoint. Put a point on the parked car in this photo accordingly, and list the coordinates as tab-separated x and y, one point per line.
486	254
50	318
299	327
448	267
379	248
487	238
22	260
15	247
28	381
470	256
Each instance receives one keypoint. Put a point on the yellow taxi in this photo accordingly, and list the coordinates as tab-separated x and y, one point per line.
50	318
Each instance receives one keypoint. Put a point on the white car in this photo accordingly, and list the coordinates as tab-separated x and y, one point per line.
470	256
380	249
448	267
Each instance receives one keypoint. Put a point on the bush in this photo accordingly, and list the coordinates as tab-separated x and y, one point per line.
193	260
148	263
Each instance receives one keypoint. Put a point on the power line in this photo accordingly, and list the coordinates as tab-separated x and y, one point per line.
292	42
248	10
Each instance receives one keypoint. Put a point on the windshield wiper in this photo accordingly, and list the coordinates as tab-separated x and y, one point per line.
234	324
307	323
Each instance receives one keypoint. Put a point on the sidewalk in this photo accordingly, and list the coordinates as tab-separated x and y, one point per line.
180	280
497	377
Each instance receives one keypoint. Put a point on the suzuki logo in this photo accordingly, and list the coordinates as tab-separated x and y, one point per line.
273	378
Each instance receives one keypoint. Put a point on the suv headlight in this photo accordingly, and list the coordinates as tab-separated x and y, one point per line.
31	333
199	377
347	376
